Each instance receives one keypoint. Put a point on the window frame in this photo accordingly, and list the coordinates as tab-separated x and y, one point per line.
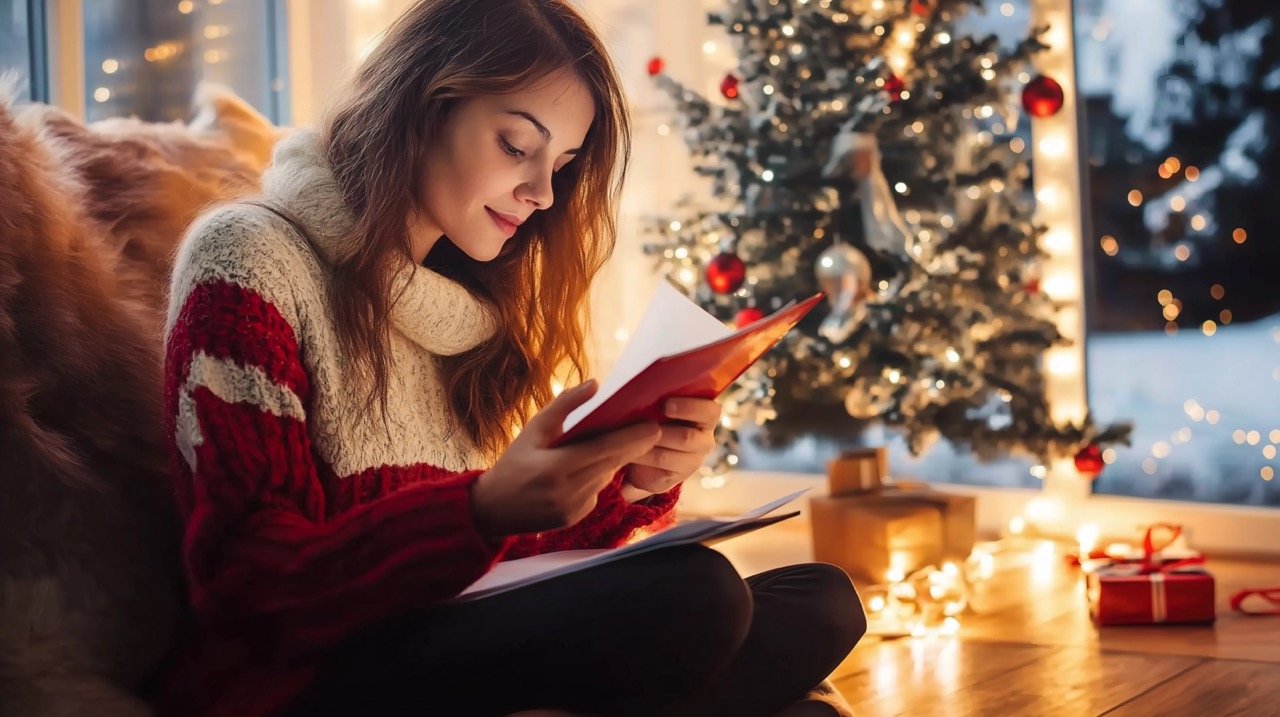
37	51
1225	528
61	48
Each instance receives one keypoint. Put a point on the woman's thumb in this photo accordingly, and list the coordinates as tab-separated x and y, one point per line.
551	418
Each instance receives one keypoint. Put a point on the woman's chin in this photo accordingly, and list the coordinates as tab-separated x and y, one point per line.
484	250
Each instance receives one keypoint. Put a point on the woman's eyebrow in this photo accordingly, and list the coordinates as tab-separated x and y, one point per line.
542	129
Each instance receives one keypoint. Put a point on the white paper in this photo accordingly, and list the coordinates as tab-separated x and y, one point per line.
514	574
672	324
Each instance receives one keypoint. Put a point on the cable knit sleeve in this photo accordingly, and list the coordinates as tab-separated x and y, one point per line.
610	524
264	553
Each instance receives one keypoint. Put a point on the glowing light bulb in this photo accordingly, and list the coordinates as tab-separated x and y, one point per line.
1087	538
1054	146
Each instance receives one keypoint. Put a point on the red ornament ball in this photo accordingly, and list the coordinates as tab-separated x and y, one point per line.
919	8
748	316
725	273
1089	461
894	85
729	87
1032	286
656	66
1042	97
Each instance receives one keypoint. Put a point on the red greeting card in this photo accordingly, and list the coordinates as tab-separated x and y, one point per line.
678	350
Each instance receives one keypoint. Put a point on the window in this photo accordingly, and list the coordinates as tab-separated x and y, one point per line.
21	46
145	58
1184	166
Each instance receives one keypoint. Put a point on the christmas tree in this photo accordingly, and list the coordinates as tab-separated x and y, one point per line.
865	149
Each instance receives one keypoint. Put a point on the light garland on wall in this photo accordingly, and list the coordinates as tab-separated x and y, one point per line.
1059	208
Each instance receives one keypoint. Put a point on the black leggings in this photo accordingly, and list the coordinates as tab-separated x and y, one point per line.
671	632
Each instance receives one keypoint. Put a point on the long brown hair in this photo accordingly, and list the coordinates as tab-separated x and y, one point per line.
436	54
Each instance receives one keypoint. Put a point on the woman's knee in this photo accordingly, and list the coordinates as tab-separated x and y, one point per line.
836	606
699	615
707	585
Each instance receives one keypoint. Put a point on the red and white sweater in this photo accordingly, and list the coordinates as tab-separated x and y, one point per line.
304	521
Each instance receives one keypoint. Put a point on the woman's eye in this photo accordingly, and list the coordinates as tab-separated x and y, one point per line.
510	148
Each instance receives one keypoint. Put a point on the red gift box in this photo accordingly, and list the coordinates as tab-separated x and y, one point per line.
1151	594
1162	544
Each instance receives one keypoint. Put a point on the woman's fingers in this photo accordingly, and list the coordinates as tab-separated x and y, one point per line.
671	461
616	449
702	412
652	480
680	437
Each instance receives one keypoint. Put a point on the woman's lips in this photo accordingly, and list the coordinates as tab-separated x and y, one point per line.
508	227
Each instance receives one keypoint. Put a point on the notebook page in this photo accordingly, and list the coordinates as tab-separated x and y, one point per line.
513	574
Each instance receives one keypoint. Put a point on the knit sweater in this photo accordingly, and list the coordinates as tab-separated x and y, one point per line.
304	520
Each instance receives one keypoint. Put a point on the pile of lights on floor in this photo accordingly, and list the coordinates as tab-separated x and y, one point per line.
933	600
926	602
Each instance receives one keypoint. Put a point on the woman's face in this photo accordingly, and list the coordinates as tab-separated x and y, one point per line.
491	166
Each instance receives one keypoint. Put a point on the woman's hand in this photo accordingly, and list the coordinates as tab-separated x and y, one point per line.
533	487
683	447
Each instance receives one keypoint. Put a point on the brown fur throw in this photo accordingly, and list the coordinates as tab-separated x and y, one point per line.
89	220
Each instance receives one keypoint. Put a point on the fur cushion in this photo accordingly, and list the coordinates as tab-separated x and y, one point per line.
90	586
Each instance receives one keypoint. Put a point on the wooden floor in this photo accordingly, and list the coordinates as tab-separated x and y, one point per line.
1029	648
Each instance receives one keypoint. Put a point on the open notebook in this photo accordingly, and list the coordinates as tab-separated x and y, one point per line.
515	574
677	350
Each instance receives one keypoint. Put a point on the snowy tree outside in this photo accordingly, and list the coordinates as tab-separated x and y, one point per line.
1181	120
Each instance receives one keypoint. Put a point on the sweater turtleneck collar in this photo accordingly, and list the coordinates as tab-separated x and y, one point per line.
435	312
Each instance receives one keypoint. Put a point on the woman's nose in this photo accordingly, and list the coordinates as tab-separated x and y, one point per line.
537	192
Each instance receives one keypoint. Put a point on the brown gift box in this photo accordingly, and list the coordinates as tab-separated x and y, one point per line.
867	535
959	515
858	471
865	518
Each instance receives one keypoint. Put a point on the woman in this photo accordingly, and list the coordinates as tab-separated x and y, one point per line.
348	360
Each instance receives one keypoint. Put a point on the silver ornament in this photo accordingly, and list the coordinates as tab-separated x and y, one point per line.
844	275
857	155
